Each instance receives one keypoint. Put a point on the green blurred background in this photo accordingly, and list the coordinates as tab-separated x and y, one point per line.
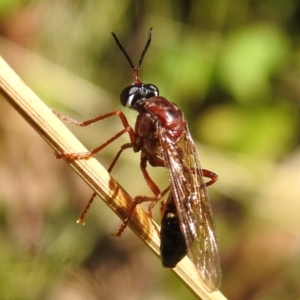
234	69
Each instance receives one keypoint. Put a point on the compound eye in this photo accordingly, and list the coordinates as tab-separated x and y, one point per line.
151	91
129	95
132	95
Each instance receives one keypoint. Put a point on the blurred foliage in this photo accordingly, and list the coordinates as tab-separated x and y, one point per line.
234	69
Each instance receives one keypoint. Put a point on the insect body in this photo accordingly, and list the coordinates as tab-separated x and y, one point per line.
162	136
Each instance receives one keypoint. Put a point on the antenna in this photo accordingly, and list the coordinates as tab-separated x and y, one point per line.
143	53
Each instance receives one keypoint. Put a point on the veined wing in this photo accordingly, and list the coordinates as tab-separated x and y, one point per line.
193	206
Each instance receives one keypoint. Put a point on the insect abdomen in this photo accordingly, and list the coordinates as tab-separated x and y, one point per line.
172	246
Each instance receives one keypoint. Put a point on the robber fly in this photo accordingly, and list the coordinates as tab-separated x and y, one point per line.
162	136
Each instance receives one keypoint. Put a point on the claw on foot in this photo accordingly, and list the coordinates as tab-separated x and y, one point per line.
57	155
80	221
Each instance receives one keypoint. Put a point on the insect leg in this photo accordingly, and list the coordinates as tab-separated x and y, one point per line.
94	120
213	176
84	212
81	219
209	174
123	147
153	203
88	154
140	199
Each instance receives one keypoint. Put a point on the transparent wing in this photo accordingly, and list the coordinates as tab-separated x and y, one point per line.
193	206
